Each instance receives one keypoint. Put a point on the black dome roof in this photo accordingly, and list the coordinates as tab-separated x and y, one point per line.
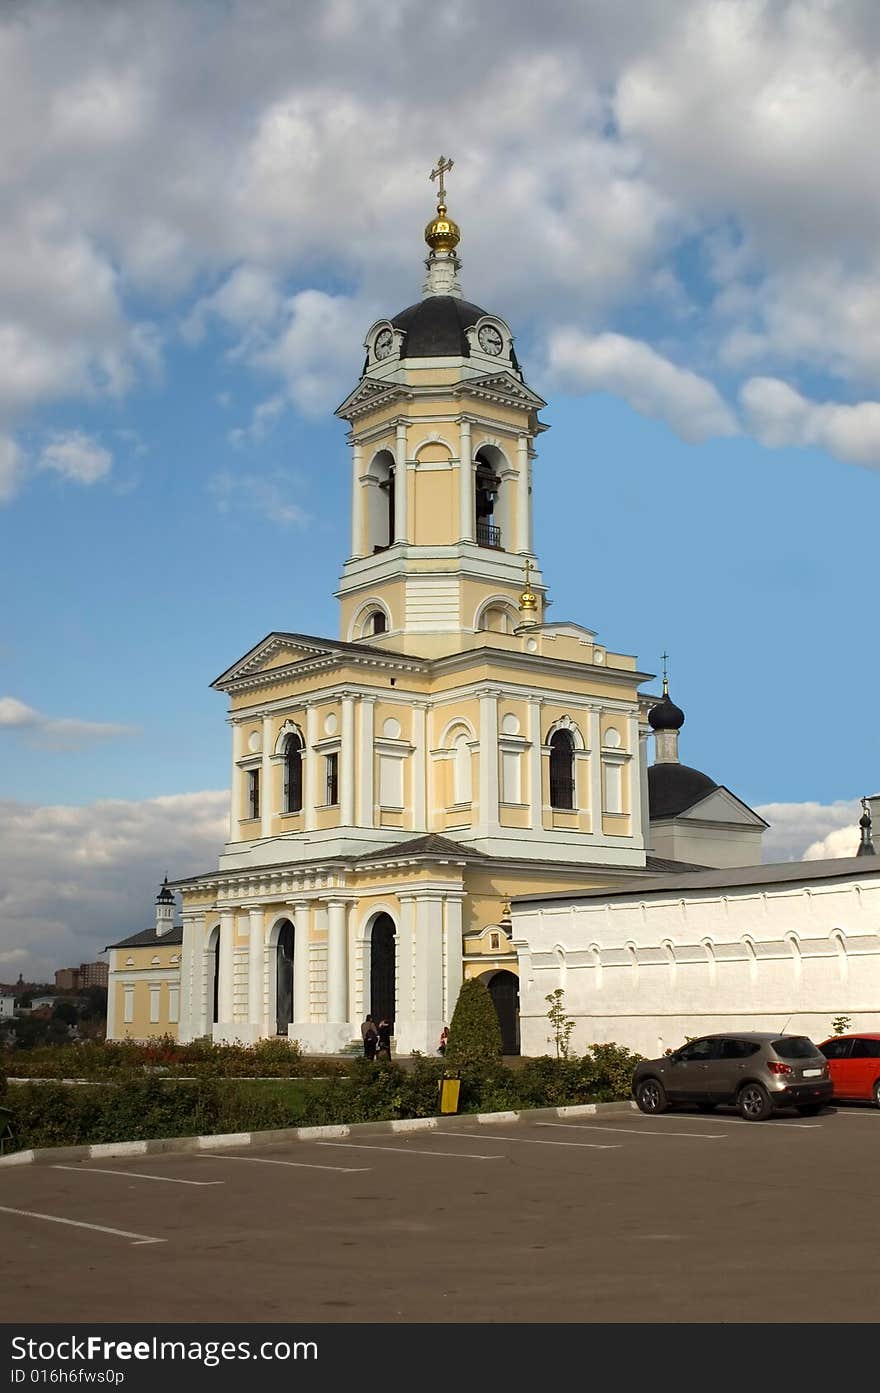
673	788
435	327
666	715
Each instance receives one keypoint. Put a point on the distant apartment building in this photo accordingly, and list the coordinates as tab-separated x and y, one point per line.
7	1007
78	979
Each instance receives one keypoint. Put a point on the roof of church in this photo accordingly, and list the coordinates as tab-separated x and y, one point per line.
435	327
430	845
146	937
725	878
673	788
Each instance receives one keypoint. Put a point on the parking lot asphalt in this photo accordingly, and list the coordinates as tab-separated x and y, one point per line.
684	1217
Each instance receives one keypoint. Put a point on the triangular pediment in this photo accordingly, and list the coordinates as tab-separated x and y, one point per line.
277	651
502	387
367	395
722	806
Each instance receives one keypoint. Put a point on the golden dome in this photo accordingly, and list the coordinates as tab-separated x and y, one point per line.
528	600
441	233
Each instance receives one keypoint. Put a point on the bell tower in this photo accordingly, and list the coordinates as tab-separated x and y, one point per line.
442	438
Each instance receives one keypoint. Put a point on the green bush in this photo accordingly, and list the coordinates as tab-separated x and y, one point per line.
134	1105
107	1059
475	1033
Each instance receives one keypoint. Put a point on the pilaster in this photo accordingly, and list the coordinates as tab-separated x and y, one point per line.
347	760
302	924
225	998
256	969
400	484
266	780
367	759
466	484
310	771
337	961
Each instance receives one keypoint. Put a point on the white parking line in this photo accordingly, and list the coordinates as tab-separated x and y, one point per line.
139	1238
730	1121
412	1151
633	1131
269	1161
537	1141
137	1175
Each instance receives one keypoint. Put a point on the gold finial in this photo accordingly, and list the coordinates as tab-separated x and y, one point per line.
441	233
528	600
505	910
665	659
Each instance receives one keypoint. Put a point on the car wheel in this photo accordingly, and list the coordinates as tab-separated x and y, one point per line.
707	1107
753	1102
876	1094
651	1096
811	1109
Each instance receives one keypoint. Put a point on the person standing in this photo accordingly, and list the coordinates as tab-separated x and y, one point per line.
444	1037
370	1037
384	1044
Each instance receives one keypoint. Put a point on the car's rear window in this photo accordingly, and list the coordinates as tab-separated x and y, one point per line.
794	1047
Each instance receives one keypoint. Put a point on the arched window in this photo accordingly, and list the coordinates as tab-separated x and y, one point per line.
380	501
461	769
561	770
487	484
378	622
293	775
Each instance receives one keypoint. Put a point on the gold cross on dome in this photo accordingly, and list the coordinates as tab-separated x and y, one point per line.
528	569
665	660
443	167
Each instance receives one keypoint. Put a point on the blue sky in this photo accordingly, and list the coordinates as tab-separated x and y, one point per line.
205	209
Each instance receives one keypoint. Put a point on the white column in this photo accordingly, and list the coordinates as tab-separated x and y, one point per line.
400	483
302	922
234	788
193	938
403	1020
365	750
311	771
110	1030
643	789
337	962
523	507
488	764
630	772
266	780
419	756
530	464
536	793
256	970
428	975
347	758
225	997
357	499
466	485
595	774
454	966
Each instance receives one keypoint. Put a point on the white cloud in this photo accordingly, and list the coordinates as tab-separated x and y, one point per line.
267	494
650	383
810	831
78	457
605	157
10	468
778	415
73	879
56	732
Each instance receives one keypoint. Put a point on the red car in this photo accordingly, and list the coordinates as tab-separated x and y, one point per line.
854	1065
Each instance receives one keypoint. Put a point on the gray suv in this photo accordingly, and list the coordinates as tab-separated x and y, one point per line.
757	1072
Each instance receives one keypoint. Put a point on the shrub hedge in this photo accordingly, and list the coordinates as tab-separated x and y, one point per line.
475	1034
136	1107
106	1059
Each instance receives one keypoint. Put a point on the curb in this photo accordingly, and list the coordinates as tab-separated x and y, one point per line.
99	1151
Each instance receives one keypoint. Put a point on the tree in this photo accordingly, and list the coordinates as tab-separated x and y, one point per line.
841	1024
66	1012
475	1032
562	1024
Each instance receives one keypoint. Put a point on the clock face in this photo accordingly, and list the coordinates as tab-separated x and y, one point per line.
384	343
490	339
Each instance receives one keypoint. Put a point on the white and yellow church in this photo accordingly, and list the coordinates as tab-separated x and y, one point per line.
394	788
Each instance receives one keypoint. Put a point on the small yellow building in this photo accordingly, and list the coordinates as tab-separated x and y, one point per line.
392	788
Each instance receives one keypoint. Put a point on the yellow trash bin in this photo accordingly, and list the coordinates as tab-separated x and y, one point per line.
449	1091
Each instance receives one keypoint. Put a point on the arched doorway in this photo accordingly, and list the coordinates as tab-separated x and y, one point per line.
383	986
284	977
213	973
504	991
